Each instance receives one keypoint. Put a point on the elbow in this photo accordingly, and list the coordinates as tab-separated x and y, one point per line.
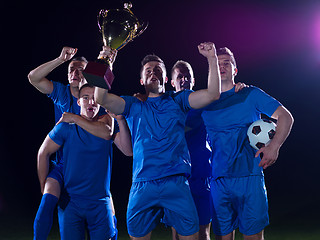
30	77
215	96
128	153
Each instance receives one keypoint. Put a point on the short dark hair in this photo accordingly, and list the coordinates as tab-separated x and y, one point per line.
80	59
151	58
183	65
227	51
84	86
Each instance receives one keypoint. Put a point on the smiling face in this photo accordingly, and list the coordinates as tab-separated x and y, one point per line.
88	107
75	70
153	77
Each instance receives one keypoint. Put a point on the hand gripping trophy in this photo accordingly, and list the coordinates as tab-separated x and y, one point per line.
118	27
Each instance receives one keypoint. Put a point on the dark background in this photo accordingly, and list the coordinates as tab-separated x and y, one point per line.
276	45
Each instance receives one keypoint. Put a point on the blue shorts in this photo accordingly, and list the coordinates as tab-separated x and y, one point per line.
200	190
239	203
97	216
57	173
166	200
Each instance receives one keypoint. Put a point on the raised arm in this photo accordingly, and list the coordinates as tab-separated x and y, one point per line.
284	125
202	98
37	77
47	148
109	101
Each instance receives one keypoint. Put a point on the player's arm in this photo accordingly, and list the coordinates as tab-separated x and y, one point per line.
47	148
202	98
112	102
123	137
102	128
284	125
37	77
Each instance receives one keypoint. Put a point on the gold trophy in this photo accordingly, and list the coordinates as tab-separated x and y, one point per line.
118	27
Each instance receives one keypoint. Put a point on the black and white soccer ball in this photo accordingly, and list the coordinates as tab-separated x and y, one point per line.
261	132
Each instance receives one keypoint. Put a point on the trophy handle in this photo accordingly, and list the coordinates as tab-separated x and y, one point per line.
141	29
102	13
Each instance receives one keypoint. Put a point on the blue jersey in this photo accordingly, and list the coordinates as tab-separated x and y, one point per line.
157	130
64	101
227	121
196	136
87	162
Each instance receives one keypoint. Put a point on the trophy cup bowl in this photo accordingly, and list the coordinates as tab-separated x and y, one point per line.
118	27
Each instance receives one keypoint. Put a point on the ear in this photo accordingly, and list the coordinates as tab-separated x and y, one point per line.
235	72
141	81
166	80
172	83
193	82
78	102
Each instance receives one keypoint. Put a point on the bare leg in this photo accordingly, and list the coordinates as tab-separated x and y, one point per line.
258	236
52	186
174	234
146	237
204	232
229	236
190	237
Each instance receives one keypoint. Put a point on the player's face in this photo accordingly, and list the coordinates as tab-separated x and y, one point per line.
75	72
153	77
89	108
227	69
182	79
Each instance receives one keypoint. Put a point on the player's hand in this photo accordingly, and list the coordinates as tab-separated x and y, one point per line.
207	49
108	53
67	53
119	117
269	156
68	118
141	97
239	86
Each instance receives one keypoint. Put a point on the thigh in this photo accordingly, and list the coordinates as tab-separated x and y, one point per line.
224	214
253	214
179	209
71	222
100	220
143	212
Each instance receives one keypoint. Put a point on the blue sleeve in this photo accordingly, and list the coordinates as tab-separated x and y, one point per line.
264	103
60	94
129	101
59	132
182	98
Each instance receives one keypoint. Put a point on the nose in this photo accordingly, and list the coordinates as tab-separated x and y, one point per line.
92	101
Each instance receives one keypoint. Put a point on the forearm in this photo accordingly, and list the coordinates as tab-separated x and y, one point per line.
123	138
96	128
284	125
214	79
37	77
202	98
37	74
109	101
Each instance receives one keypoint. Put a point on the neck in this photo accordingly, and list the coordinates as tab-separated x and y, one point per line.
74	91
227	85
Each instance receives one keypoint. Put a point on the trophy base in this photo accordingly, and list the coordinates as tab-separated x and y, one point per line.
99	75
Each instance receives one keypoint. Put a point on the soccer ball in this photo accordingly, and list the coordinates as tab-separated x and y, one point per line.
261	132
